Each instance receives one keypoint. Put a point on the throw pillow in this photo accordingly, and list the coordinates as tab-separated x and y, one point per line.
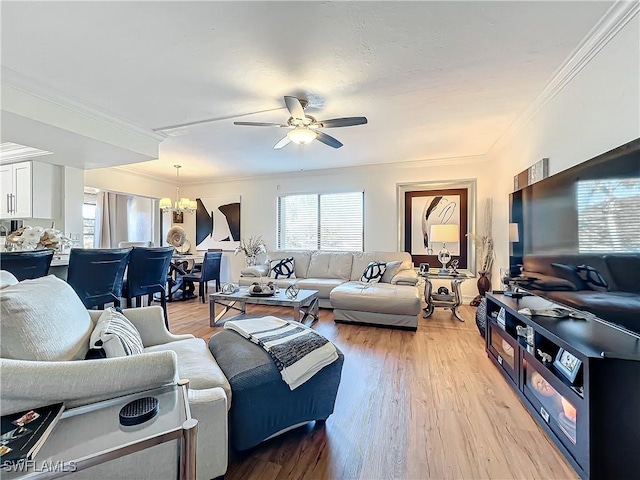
116	335
284	268
392	269
43	320
592	278
374	272
569	273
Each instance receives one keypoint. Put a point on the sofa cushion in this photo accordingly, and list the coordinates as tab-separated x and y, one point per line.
362	259
116	335
381	298
196	363
322	285
392	269
549	283
43	319
625	270
330	265
283	268
374	272
301	259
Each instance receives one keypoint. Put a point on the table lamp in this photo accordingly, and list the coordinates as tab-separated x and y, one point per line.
445	234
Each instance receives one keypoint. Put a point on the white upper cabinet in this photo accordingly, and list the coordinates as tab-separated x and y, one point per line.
29	190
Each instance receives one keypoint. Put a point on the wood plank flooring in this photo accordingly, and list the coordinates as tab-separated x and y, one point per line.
423	405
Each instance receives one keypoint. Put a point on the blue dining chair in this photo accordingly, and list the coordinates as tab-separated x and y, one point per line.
210	271
147	275
97	275
27	265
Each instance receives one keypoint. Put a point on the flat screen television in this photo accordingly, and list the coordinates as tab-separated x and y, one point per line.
591	210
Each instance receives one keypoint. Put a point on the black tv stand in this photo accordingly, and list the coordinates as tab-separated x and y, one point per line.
594	418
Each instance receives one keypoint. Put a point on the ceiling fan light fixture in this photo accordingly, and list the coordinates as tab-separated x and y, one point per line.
302	135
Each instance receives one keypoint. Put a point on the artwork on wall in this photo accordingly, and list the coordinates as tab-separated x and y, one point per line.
423	205
531	175
178	217
218	222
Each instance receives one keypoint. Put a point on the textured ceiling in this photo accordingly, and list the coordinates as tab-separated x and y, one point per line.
435	79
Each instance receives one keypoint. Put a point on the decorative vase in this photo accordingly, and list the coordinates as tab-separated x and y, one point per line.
484	283
251	260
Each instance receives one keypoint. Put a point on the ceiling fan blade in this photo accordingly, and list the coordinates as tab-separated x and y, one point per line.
343	122
295	107
282	143
260	124
328	140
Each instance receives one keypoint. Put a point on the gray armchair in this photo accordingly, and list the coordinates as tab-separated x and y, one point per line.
31	382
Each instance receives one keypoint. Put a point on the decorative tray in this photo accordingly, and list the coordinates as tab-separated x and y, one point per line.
262	294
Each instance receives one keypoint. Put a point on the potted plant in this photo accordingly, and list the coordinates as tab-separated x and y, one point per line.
254	247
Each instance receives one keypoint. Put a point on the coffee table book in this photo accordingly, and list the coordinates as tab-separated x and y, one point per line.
24	433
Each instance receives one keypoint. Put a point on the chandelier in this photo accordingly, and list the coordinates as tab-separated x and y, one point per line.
181	204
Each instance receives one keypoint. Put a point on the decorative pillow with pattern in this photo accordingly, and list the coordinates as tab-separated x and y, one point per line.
116	335
284	268
593	278
374	272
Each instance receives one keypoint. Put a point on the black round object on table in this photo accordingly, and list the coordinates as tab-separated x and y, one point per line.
139	411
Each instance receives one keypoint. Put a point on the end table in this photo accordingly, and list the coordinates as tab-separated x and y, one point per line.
452	300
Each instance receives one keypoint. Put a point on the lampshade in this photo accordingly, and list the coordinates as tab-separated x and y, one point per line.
514	236
302	135
182	204
444	234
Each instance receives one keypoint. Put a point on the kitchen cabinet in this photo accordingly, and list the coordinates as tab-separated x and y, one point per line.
29	190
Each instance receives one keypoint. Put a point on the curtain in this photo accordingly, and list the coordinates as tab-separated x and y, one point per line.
111	220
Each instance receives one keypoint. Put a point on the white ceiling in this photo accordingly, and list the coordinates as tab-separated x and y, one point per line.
435	79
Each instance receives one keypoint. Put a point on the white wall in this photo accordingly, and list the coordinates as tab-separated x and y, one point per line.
121	181
73	198
259	199
598	110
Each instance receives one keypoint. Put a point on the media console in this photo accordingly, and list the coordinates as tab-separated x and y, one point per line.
579	379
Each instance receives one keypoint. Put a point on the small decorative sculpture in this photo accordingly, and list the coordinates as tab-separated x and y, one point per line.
292	291
454	266
229	288
545	357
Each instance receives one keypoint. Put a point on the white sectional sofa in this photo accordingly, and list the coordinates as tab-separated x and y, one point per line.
394	302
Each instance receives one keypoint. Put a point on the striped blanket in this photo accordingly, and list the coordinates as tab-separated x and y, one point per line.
298	352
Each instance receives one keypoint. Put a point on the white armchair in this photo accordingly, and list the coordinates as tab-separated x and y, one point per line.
31	382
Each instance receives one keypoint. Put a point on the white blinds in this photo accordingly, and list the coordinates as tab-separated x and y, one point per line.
609	215
329	221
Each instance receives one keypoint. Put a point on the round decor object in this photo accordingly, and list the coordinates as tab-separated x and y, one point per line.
541	386
139	411
176	236
292	291
185	247
230	288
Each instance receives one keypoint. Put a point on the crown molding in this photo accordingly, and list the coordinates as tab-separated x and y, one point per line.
42	92
444	161
614	20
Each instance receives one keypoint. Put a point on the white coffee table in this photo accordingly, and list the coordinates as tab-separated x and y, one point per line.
306	302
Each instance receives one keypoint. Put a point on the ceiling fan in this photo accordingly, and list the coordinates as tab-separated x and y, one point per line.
304	128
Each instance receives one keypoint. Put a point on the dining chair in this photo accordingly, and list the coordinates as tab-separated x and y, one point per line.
27	265
97	275
210	271
147	274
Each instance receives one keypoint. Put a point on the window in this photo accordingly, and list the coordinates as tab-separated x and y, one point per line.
328	221
609	215
89	217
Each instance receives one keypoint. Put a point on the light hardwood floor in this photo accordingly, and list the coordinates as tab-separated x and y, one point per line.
423	405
